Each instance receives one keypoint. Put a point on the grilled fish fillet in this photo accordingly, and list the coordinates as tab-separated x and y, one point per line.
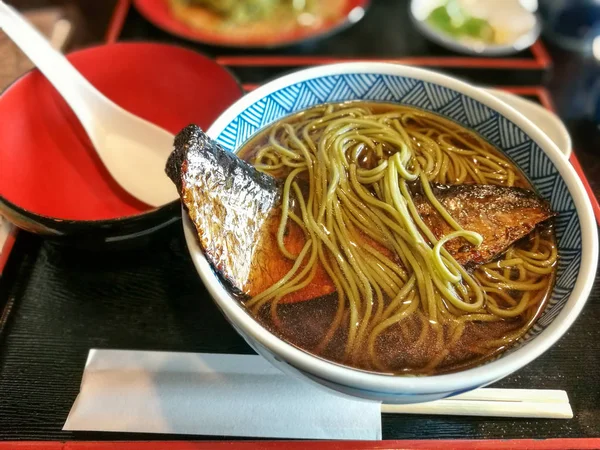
501	214
228	200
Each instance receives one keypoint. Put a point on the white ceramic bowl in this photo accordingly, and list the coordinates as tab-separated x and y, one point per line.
474	108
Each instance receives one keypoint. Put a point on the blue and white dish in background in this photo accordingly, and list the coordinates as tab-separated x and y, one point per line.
503	126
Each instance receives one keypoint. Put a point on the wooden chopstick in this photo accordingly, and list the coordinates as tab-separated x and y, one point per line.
515	395
530	403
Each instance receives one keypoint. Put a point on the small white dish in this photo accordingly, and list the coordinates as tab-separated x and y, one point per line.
546	120
420	9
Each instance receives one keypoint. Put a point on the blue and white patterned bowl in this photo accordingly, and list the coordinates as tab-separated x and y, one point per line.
471	107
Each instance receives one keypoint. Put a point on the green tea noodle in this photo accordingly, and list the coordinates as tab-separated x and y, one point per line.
347	171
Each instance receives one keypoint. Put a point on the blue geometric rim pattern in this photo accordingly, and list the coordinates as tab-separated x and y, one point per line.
498	130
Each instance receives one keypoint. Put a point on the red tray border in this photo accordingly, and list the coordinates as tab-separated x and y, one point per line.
540	61
534	444
117	21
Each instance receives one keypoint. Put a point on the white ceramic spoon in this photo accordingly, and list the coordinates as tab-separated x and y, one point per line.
133	150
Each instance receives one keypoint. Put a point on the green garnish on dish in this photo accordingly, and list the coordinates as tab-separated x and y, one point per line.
452	19
247	11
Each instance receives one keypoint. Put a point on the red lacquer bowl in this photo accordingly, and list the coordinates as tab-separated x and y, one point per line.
158	13
51	179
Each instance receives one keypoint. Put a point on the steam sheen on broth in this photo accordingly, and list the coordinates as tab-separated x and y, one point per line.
369	284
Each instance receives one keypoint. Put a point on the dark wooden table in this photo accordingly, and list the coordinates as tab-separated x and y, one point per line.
57	302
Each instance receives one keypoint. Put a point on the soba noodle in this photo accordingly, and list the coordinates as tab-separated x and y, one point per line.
347	170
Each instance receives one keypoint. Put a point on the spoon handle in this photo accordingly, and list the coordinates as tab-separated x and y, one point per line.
79	94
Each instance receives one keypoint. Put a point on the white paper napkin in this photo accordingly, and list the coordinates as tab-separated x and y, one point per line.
212	394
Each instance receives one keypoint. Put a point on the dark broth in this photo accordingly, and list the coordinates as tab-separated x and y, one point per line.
406	347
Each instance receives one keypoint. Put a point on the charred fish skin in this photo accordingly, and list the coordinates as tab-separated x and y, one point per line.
501	214
227	199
